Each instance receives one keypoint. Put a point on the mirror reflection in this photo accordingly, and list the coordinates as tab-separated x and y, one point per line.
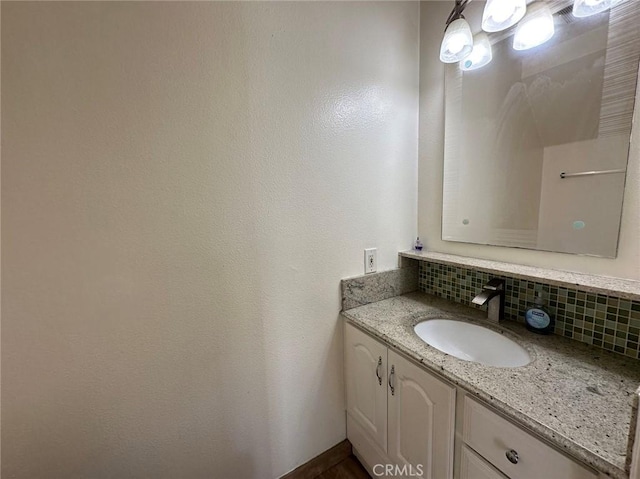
537	141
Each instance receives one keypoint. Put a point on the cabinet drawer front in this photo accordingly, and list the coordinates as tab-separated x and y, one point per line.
496	439
472	466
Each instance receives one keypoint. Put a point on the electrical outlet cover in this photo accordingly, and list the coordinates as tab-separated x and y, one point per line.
370	260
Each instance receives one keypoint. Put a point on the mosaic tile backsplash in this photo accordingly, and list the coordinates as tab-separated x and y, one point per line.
607	322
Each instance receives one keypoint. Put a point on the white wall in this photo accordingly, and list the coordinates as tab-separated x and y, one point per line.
600	228
431	154
183	186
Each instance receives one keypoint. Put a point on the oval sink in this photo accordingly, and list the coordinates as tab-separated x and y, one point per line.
472	343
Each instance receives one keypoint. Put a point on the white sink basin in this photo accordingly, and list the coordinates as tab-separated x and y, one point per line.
472	343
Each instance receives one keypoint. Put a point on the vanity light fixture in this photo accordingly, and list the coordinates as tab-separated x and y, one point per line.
585	8
480	55
535	28
501	14
457	43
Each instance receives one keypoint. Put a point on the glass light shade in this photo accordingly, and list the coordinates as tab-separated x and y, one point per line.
501	14
480	55
585	8
457	42
535	28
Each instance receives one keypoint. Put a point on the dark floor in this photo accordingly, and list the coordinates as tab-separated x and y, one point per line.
349	468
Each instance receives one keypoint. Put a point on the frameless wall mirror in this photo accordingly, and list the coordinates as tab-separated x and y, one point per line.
537	141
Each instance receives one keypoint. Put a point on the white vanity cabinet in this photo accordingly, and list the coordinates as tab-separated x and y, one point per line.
398	414
401	416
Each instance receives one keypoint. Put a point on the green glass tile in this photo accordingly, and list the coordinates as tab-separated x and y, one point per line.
580	315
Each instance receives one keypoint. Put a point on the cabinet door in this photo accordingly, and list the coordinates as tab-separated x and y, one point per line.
421	420
473	466
365	374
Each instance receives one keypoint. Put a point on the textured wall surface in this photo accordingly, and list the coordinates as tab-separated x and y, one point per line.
431	154
183	187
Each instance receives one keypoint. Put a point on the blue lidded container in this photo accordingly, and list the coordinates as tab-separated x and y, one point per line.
538	318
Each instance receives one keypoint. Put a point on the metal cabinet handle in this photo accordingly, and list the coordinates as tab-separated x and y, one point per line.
512	456
390	382
378	370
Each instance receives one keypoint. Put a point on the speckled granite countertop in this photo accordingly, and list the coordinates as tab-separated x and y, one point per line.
577	397
619	287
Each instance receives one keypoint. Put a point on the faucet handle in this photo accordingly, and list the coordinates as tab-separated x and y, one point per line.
495	284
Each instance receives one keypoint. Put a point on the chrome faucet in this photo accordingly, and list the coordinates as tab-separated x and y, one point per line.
492	294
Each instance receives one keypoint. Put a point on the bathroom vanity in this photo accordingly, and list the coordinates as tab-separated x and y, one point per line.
567	414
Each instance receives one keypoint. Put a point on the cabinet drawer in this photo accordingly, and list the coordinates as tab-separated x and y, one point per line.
493	437
473	466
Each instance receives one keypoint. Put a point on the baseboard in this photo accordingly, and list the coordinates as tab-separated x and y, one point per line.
321	463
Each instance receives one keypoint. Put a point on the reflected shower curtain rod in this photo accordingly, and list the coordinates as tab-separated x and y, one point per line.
592	173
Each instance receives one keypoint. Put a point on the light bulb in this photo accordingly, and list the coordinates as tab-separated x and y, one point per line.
535	28
502	14
457	42
480	55
585	8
